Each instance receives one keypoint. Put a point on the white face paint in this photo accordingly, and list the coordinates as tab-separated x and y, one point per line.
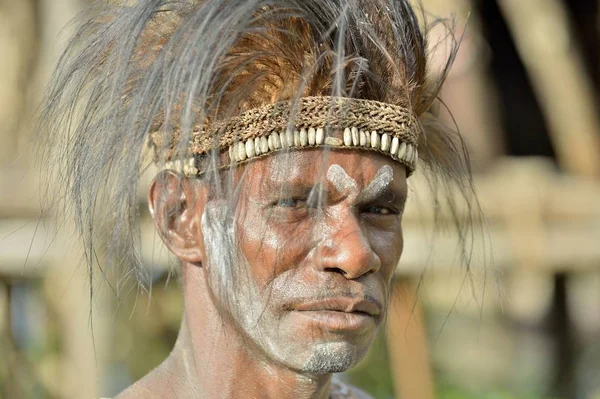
343	183
255	309
380	182
227	268
219	240
346	185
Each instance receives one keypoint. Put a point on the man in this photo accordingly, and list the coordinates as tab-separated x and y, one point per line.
284	131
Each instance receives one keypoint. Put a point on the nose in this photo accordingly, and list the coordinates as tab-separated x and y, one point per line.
346	250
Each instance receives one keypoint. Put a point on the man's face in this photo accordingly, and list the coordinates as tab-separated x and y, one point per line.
310	250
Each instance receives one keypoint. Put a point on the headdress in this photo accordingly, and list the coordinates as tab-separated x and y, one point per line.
330	122
208	84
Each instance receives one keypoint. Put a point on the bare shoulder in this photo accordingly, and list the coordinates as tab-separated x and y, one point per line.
340	390
138	390
164	382
152	386
358	394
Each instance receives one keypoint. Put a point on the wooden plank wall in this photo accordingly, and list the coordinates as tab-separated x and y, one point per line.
530	224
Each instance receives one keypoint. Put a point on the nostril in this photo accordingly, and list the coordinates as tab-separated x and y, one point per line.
335	270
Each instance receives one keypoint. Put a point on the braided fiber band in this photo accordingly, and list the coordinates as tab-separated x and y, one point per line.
334	122
331	112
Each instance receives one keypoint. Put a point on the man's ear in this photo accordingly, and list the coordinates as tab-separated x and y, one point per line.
176	204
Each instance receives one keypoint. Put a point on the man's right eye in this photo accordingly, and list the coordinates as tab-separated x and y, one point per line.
291	203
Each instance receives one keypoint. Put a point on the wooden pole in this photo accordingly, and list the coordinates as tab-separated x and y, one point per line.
407	344
542	36
18	44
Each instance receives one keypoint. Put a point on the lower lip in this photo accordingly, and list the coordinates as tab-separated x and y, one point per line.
340	321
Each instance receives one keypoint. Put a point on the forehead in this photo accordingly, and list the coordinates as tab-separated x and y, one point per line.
309	166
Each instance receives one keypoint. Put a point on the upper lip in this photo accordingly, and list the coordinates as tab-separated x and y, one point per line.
341	304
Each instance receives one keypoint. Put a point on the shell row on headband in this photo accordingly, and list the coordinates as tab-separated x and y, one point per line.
331	122
352	137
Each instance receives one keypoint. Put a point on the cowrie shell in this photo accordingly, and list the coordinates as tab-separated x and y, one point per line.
394	146
320	136
355	136
250	148
375	139
385	142
333	141
347	137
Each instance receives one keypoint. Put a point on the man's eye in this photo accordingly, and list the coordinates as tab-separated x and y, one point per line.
379	210
291	203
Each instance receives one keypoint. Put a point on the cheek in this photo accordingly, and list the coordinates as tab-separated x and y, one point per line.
388	246
270	248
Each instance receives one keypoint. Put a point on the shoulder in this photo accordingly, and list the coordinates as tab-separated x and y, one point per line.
340	390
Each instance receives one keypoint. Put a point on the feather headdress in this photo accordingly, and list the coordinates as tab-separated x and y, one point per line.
168	76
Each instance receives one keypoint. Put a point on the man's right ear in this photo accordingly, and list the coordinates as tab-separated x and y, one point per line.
176	204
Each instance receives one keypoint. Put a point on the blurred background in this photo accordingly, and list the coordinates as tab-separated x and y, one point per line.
522	322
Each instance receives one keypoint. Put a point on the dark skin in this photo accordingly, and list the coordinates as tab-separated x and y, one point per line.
319	259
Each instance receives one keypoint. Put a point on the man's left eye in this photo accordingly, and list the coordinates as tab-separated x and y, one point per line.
379	210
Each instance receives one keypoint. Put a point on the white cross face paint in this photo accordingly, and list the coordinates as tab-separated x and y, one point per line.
380	182
346	185
341	181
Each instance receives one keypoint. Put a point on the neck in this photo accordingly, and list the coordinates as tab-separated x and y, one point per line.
212	360
220	366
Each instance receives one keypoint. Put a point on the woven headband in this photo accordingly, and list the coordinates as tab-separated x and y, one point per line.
333	122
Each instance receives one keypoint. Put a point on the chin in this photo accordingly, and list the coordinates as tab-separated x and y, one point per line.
333	357
322	354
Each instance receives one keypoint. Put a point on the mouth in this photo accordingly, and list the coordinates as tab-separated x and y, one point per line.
338	314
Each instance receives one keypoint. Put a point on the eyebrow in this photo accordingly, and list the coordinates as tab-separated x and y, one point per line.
380	182
300	188
344	184
380	189
388	196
